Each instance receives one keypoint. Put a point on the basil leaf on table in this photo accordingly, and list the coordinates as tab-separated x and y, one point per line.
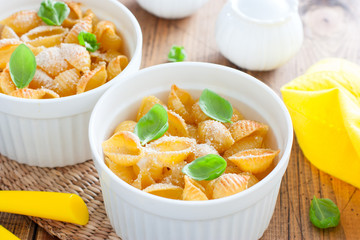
53	13
324	213
215	106
152	125
22	66
88	40
177	54
208	167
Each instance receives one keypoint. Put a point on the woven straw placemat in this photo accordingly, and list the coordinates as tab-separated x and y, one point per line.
81	179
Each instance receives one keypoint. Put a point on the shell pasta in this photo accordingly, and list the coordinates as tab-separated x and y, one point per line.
156	167
64	66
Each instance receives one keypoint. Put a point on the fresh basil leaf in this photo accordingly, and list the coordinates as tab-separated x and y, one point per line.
53	13
62	11
89	41
22	66
177	54
324	213
215	106
47	12
208	167
152	125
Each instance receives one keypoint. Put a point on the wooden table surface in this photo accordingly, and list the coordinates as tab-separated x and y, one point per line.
331	29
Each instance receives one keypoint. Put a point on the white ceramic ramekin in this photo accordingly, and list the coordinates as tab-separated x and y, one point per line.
53	132
136	215
171	9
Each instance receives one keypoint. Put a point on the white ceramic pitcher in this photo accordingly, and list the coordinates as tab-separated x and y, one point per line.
259	34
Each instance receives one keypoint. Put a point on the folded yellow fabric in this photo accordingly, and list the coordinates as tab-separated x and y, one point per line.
324	105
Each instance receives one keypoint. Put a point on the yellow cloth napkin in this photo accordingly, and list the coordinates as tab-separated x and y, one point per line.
324	105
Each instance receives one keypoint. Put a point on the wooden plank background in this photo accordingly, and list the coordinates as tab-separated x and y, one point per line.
331	29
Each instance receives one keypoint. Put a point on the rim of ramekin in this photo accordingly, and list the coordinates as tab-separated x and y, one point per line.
283	161
137	52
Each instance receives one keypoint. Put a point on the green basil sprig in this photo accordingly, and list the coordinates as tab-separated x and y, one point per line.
324	213
53	13
208	167
177	54
152	125
22	66
89	41
215	106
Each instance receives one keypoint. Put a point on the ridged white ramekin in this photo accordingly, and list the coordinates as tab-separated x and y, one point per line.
53	132
136	215
171	9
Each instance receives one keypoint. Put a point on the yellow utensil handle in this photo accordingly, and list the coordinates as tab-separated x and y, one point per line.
65	207
5	234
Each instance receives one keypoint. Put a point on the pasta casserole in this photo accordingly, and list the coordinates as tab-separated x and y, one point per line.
66	64
158	167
